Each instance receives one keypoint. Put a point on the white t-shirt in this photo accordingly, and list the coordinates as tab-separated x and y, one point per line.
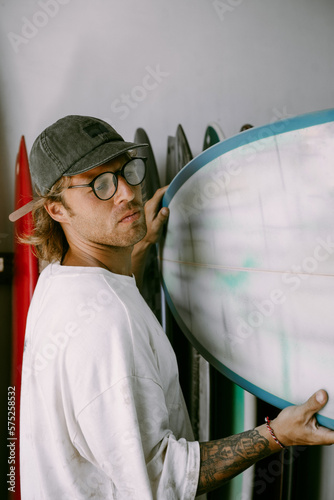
102	413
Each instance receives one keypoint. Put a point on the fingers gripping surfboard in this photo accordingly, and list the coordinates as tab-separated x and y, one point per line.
251	301
24	281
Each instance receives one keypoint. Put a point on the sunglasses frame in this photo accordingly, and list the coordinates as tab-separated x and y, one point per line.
115	174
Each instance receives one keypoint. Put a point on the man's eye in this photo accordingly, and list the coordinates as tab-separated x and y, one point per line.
102	186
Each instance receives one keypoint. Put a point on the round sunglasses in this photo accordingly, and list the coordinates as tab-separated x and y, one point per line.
104	185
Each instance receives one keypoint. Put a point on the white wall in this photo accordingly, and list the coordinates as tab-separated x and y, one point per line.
230	61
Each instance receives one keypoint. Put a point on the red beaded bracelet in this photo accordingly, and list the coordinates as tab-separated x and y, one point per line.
267	420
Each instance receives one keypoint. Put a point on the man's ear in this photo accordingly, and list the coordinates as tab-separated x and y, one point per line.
57	211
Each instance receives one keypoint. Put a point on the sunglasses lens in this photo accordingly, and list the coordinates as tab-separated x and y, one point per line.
105	186
134	171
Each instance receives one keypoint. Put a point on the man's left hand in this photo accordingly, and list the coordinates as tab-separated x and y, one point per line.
155	218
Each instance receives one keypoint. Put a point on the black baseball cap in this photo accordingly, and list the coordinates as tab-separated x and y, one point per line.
72	145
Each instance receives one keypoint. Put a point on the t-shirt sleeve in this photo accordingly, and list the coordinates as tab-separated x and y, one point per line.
125	432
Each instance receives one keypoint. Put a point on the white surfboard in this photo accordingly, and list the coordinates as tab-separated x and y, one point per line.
248	259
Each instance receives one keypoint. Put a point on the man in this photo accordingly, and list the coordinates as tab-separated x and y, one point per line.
102	414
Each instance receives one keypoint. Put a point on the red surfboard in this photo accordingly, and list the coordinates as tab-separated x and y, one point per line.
24	281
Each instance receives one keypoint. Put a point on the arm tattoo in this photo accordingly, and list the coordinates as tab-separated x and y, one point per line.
223	459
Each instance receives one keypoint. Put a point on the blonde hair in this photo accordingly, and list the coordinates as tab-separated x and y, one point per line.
48	239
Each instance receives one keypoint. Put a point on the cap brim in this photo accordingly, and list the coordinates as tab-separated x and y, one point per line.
24	210
102	154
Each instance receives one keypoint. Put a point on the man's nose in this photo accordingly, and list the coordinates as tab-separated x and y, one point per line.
124	191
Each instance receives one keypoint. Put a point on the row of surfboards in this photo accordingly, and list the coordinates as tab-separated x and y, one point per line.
217	406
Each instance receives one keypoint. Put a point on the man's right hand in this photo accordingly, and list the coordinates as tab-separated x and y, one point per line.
297	425
224	458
